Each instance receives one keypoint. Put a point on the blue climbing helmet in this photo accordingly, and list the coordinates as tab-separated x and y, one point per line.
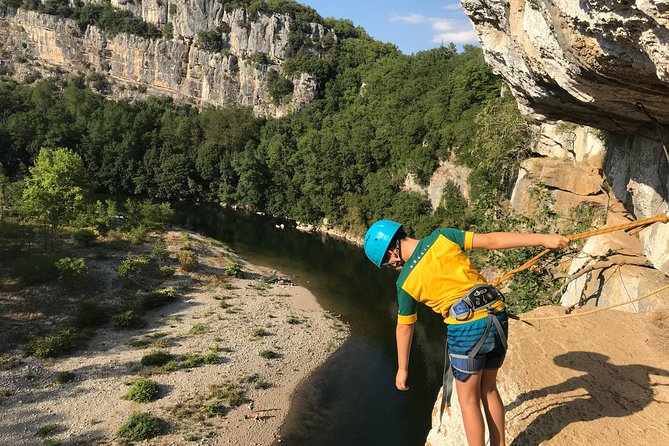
378	238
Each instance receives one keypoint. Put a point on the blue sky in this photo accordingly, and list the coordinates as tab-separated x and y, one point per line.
412	26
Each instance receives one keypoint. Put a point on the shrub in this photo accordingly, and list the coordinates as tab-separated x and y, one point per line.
113	21
260	59
165	272
137	235
192	360
198	329
187	260
140	426
150	215
156	357
65	377
90	314
143	391
230	392
48	430
168	28
269	354
99	82
157	298
211	40
62	342
128	320
260	332
261	385
214	409
170	366
70	269
159	252
185	240
84	236
130	267
278	86
233	269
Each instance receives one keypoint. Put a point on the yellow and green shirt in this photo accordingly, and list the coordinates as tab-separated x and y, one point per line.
438	274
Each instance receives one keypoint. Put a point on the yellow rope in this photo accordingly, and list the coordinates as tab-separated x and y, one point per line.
597	310
659	218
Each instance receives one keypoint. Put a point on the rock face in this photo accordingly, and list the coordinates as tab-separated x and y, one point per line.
174	67
599	63
592	61
446	172
572	381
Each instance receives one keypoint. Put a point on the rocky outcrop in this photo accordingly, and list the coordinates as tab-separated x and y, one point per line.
610	270
591	61
174	67
581	172
445	173
603	64
569	184
571	381
638	172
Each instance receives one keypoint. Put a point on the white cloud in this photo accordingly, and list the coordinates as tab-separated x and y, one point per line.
443	29
414	19
452	6
445	24
456	37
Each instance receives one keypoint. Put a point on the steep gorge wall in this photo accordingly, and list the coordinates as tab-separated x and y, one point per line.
174	67
599	63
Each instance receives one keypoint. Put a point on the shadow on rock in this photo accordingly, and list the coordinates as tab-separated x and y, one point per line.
606	390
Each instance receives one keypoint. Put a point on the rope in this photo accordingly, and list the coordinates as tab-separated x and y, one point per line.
597	310
659	218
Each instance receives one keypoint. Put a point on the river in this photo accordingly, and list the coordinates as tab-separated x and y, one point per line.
351	399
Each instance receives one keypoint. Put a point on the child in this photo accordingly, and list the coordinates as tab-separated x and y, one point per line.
435	271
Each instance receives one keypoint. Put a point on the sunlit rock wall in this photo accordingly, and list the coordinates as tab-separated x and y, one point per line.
174	67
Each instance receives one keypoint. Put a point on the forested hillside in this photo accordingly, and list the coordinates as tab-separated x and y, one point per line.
382	114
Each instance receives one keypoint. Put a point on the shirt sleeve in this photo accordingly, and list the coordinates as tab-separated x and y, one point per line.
464	239
406	311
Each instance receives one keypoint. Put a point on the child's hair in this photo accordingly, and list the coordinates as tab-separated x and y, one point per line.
399	235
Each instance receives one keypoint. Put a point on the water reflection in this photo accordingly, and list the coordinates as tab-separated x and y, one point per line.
351	399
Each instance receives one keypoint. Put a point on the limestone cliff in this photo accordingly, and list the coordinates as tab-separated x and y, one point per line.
36	44
602	64
591	61
445	173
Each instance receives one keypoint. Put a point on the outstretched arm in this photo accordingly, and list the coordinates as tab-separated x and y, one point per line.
404	335
506	240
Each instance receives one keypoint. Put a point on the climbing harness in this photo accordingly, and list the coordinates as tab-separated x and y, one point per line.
478	297
643	223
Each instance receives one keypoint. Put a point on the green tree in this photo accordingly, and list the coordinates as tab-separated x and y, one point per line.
55	191
495	152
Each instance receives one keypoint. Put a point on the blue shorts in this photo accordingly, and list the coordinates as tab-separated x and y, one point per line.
462	338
